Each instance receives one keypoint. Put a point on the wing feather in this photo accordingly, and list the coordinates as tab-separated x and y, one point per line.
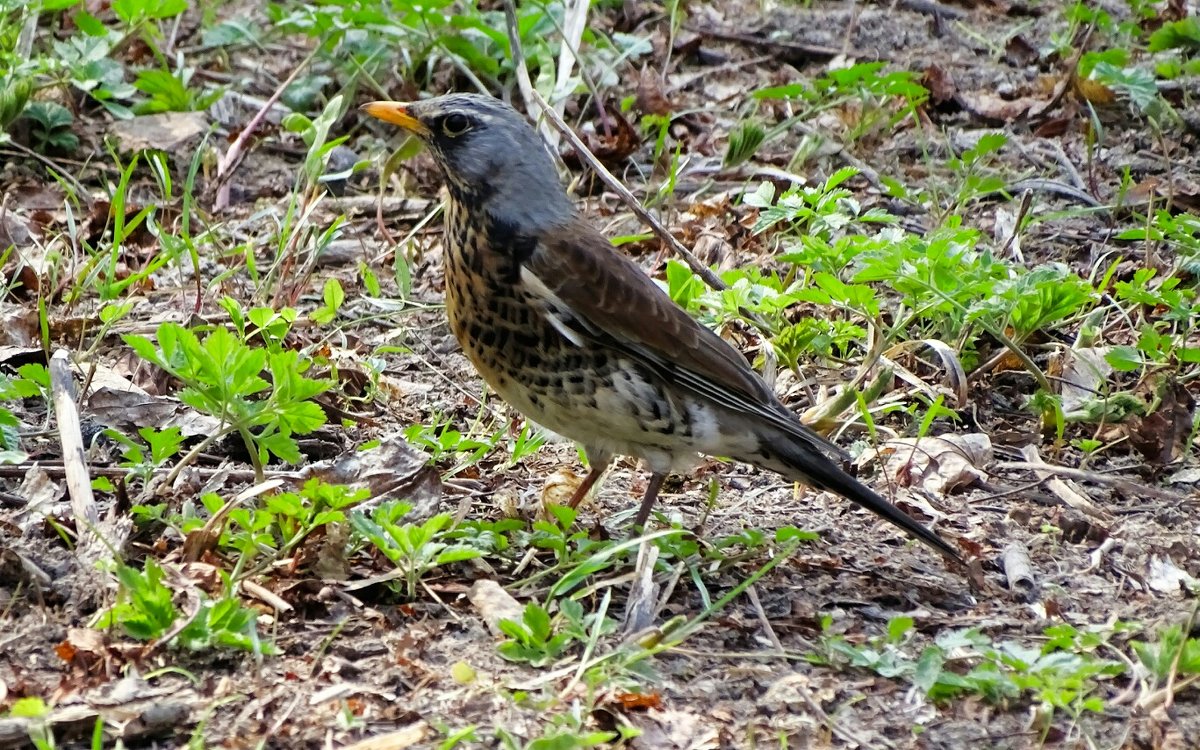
614	303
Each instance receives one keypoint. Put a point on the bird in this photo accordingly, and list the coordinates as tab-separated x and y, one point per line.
579	339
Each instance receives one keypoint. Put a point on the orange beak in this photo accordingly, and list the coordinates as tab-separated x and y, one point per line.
397	114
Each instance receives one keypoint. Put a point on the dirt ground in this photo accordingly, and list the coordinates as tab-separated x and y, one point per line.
356	661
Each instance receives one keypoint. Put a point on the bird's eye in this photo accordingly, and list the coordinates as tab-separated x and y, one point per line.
455	124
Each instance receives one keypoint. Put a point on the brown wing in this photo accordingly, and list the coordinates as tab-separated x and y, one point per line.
614	303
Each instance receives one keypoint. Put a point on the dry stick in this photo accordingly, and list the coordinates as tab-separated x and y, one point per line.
1091	476
80	190
1026	200
233	157
571	31
90	547
518	56
58	470
642	605
752	594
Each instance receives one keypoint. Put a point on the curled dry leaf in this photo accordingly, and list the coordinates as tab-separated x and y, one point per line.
991	107
494	604
675	730
391	470
1161	436
638	701
1018	52
1019	571
43	497
650	97
940	84
612	139
1084	372
560	486
936	464
1166	577
128	410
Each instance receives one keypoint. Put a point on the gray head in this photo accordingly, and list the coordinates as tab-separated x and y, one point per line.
491	157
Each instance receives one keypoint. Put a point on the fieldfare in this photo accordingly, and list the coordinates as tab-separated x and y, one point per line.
578	339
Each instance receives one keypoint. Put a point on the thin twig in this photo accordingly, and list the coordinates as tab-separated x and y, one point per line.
528	92
704	272
1120	483
763	620
236	151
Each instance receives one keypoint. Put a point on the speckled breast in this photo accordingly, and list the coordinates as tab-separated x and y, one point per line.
590	394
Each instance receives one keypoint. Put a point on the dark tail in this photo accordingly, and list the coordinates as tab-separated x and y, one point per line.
810	465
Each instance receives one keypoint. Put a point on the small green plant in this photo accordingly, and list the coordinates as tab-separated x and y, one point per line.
333	297
1170	653
533	639
525	444
744	141
273	529
317	504
163	445
558	738
882	99
36	711
145	610
224	623
441	441
50	125
539	640
222	376
168	91
1061	675
971	167
416	549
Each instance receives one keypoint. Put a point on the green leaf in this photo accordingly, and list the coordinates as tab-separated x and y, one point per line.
537	620
1182	34
456	554
31	707
789	91
136	11
513	629
788	533
929	669
1137	84
333	294
898	627
282	446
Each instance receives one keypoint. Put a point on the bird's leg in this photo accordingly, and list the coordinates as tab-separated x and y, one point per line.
586	485
651	495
